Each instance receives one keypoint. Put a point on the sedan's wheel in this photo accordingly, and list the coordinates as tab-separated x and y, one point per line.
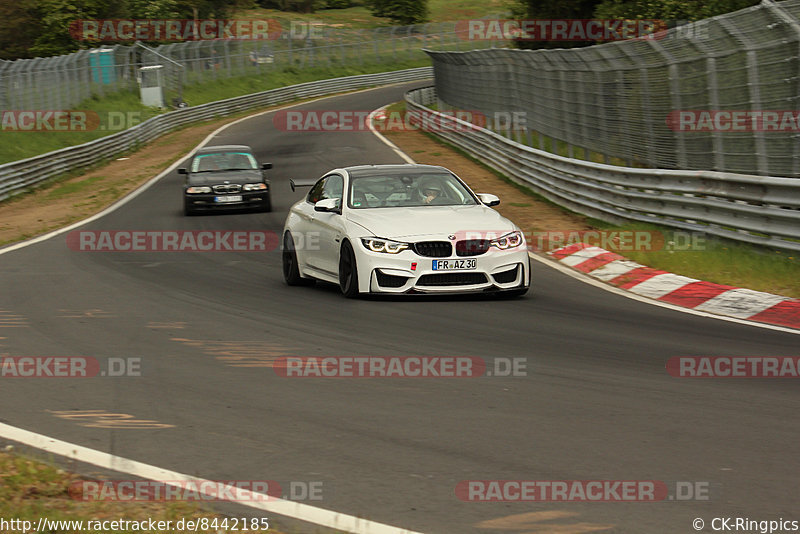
348	272
267	205
291	272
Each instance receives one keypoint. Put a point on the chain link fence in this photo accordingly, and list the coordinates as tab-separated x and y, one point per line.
621	101
65	81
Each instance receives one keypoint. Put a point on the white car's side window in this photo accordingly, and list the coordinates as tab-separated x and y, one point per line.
333	187
316	192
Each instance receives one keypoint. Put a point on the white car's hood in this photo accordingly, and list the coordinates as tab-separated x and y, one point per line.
415	222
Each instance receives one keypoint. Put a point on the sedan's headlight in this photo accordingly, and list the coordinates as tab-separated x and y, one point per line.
376	244
198	189
254	187
514	239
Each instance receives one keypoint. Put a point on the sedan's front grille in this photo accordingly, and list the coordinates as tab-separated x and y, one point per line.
472	247
434	249
451	279
227	188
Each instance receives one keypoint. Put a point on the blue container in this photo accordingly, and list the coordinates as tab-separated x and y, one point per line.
101	61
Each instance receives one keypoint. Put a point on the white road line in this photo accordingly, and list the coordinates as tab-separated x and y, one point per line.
380	136
251	499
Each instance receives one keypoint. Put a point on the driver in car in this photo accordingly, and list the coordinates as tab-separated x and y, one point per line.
431	192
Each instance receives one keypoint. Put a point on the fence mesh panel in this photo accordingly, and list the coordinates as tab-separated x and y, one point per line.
65	81
614	100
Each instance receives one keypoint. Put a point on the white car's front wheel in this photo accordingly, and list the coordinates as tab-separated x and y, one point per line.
291	271
348	271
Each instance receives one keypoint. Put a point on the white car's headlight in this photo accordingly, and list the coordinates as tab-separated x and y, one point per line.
198	189
514	239
376	244
254	187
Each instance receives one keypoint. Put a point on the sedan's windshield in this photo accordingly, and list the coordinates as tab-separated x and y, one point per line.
395	190
223	161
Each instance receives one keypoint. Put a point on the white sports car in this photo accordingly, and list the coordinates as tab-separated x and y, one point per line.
402	229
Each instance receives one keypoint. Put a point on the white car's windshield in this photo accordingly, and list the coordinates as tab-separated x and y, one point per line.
401	190
223	161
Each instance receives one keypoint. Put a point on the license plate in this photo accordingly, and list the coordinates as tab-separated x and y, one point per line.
229	198
454	265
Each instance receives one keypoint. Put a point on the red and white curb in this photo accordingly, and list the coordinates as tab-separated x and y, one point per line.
682	291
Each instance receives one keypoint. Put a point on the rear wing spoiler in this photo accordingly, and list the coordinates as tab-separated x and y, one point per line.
301	183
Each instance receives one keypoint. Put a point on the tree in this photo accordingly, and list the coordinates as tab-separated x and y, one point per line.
300	6
54	19
669	10
203	9
553	10
402	12
154	9
18	29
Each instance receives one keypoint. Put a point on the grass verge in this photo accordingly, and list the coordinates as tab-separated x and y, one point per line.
31	489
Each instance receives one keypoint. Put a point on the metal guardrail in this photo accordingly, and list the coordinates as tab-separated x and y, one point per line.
754	209
20	175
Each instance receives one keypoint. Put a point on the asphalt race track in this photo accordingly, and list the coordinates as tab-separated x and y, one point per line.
596	404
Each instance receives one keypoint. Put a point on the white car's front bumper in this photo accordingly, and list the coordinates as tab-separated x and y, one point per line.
407	272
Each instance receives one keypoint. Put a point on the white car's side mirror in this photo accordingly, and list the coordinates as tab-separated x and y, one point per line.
489	200
328	204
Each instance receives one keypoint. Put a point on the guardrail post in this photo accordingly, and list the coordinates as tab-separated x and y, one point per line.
675	97
753	87
713	101
4	80
563	90
647	107
788	18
